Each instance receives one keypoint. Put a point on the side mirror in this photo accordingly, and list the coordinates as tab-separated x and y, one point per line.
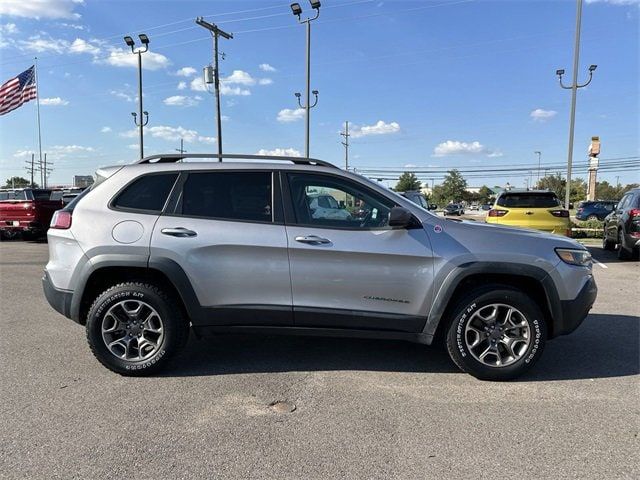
433	206
342	204
400	218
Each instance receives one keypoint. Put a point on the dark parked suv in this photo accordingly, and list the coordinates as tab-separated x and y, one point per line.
622	226
597	210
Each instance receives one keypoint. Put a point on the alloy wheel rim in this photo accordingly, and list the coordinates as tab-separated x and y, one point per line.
132	330
497	335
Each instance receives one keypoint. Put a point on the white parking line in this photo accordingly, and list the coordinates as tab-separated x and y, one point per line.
598	263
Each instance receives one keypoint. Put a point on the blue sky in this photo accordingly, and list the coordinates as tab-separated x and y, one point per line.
431	84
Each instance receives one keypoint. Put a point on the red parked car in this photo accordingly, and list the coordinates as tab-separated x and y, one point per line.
27	211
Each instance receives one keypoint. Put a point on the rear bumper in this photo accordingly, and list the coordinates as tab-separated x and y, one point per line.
575	311
60	300
22	226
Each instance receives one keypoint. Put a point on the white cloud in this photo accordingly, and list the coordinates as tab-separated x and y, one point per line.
379	128
40	8
39	44
82	46
540	115
23	153
70	149
181	101
122	95
265	67
119	57
289	115
455	147
181	85
198	85
105	129
186	72
133	146
280	152
54	101
239	77
73	25
8	29
265	81
171	134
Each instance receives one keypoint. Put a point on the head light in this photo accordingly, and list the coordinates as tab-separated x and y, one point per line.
582	258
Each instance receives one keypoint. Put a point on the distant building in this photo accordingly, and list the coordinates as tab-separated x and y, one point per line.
82	181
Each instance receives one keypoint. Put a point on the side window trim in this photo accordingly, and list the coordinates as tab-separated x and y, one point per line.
112	205
290	216
175	203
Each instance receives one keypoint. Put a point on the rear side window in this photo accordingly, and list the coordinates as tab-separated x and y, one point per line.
528	200
228	195
148	193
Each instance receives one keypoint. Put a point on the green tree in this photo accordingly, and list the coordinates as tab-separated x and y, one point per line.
486	194
453	186
558	185
17	182
606	191
408	181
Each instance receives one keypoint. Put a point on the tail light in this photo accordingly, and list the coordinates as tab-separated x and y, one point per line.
560	213
497	213
580	210
634	212
61	219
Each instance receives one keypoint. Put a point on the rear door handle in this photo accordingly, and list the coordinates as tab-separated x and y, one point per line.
313	240
178	232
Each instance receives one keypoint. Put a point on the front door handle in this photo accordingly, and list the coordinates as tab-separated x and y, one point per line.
178	232
313	240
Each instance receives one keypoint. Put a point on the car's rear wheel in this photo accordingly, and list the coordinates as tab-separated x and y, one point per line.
134	328
623	253
607	244
497	333
593	217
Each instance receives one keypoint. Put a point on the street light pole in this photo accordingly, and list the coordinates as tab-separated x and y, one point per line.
574	89
297	11
215	33
141	118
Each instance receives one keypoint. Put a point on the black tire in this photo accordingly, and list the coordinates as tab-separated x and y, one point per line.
623	253
478	301
168	315
606	243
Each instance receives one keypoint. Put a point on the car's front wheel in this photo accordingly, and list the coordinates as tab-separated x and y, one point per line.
497	333
623	253
607	244
134	328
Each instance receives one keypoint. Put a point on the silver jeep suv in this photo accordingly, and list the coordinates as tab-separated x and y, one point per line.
161	247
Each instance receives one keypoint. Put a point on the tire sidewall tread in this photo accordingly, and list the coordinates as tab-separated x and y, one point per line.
478	298
174	324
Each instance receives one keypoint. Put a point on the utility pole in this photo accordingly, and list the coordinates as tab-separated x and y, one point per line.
31	168
181	149
574	89
297	11
539	155
346	136
142	121
215	33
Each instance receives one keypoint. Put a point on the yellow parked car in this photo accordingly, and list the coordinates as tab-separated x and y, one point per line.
537	209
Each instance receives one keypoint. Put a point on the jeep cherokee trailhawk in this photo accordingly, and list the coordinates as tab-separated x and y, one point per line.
158	248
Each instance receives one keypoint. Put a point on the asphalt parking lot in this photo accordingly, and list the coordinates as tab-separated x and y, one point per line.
364	409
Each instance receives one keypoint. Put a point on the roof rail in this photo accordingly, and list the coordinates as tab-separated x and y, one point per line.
176	157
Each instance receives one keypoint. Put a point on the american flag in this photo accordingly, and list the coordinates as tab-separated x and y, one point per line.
18	90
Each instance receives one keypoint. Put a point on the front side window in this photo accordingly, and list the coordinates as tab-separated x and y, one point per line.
245	196
147	193
324	201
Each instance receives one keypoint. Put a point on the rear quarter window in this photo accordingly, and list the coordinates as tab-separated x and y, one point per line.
528	200
148	193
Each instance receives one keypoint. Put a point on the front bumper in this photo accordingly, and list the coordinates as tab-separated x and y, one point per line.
60	300
575	311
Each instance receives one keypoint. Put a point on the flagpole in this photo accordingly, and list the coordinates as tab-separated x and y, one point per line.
35	70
